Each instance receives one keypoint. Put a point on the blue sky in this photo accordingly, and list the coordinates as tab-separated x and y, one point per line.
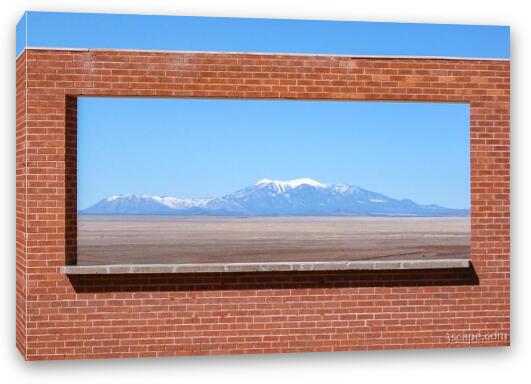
208	148
188	33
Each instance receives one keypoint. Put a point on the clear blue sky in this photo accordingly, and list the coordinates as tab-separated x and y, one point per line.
208	148
93	30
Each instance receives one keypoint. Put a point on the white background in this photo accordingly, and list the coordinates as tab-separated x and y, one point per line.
428	366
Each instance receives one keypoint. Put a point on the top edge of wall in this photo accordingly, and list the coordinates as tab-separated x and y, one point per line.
264	54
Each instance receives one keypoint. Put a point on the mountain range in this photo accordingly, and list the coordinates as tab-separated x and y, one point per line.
300	197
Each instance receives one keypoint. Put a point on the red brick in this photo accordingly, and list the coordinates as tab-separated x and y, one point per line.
171	315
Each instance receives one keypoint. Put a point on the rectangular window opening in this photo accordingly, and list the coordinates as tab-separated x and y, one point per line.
206	184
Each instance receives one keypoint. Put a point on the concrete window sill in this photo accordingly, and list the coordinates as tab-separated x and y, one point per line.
263	267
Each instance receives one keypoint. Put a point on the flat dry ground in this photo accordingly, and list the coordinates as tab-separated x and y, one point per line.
170	239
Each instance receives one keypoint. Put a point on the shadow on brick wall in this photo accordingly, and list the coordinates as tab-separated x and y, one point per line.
272	280
70	180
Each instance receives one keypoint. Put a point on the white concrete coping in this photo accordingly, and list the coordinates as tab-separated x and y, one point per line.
357	265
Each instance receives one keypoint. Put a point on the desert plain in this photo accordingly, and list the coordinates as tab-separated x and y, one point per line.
113	239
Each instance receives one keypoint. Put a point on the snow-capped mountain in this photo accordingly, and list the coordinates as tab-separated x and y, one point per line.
143	204
299	197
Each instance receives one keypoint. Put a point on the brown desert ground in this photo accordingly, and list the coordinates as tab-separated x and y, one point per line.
176	240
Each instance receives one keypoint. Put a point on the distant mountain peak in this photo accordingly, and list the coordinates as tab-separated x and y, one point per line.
290	184
298	197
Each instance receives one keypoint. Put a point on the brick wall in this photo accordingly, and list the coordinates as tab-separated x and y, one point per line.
170	314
